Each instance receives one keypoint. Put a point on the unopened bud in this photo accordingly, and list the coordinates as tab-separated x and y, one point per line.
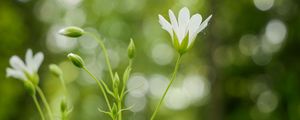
114	109
72	31
55	70
116	83
63	105
131	49
76	60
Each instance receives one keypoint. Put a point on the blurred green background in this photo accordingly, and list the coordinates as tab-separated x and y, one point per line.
244	66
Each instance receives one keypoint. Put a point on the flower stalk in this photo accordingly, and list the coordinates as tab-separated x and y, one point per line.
101	88
38	107
44	100
100	42
178	61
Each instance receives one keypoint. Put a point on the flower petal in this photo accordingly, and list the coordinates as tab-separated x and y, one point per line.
165	25
15	74
174	23
183	20
204	24
28	56
37	60
193	27
17	63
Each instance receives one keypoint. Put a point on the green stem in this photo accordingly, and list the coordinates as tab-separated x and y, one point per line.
100	86
165	93
63	85
40	92
38	106
100	42
124	84
120	109
122	92
64	114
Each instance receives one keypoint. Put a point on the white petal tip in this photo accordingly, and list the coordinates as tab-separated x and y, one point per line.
185	8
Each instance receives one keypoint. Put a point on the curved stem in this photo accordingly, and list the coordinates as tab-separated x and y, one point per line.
63	85
100	86
166	91
38	107
40	92
100	42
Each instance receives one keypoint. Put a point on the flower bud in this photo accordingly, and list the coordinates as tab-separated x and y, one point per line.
71	31
114	109
29	87
55	70
63	105
116	83
131	49
76	60
116	79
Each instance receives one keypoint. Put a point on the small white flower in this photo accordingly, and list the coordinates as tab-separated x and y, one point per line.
185	28
21	70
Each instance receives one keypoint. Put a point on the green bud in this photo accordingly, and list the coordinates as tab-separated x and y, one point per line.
71	31
63	105
116	81
29	87
55	70
76	60
131	49
115	109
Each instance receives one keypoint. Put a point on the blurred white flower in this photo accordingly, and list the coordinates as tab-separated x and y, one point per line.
185	28
25	71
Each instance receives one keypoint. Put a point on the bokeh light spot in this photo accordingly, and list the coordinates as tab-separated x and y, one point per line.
276	31
137	85
177	99
162	54
136	103
267	102
158	84
247	44
263	5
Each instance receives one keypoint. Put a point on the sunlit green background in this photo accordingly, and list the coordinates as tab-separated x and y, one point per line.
244	66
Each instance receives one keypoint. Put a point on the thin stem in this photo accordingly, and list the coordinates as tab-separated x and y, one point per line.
38	106
124	84
40	92
122	93
61	78
100	42
165	93
64	114
100	86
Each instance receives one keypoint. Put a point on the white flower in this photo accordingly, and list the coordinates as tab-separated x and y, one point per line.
23	71
185	28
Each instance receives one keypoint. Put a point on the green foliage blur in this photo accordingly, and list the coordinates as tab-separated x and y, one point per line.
244	66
